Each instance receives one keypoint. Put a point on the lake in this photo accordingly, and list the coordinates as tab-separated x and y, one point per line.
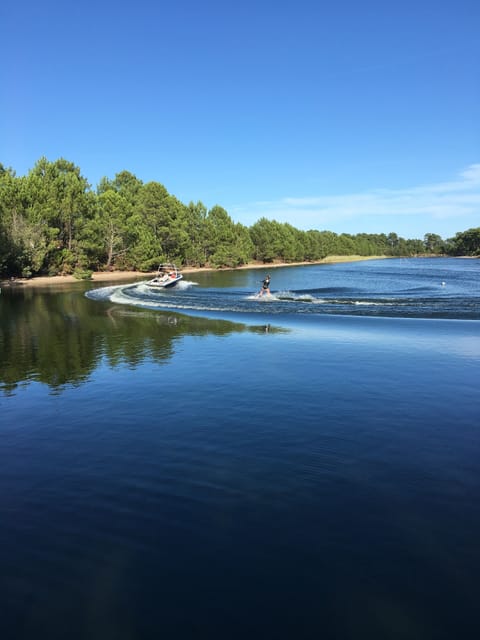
200	462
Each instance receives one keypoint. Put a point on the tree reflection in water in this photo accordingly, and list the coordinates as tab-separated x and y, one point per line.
58	336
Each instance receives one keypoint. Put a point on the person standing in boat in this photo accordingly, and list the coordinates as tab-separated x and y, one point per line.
265	286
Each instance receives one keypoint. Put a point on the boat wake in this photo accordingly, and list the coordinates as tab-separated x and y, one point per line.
187	297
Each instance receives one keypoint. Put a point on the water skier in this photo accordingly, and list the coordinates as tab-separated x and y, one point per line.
265	287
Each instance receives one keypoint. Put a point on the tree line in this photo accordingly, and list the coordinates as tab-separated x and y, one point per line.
52	222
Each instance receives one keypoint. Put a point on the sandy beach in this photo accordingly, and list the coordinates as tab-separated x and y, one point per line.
119	276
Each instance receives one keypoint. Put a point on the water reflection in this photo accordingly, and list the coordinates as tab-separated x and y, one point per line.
60	337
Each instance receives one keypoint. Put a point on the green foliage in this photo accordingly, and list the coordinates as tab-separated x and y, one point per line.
433	243
226	244
263	236
63	262
52	222
196	249
83	274
466	243
111	222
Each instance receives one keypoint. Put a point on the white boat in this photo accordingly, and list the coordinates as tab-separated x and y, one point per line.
167	276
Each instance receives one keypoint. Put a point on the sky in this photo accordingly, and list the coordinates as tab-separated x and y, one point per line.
356	117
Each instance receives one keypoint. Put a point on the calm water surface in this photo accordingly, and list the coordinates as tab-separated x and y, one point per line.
200	463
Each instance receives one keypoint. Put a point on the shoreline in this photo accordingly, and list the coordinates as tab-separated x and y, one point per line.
118	276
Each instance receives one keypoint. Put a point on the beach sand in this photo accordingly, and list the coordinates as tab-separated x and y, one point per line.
119	276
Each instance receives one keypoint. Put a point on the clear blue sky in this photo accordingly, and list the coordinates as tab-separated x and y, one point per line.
349	116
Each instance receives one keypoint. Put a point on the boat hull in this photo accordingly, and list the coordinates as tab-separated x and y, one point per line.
167	277
167	284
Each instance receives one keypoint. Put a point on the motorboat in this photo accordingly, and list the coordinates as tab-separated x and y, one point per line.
167	276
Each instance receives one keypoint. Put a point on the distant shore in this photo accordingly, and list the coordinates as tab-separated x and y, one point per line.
118	276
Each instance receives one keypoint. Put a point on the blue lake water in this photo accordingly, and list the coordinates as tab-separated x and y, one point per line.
199	462
424	288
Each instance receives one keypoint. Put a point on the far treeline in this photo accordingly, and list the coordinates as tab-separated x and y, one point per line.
52	222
